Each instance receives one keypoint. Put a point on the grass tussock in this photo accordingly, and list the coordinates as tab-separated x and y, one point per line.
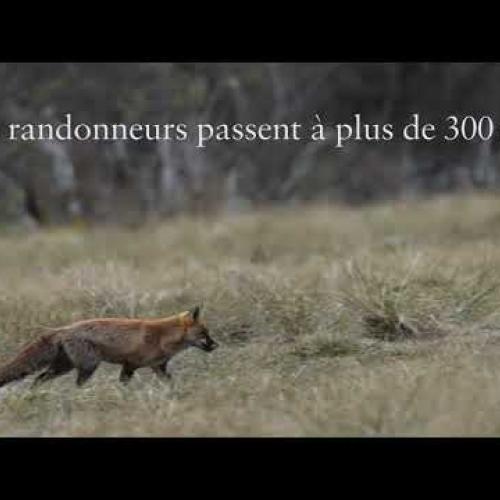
377	321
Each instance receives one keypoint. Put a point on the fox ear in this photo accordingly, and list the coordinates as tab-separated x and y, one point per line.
194	313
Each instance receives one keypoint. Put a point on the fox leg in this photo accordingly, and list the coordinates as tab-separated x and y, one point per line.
162	371
61	365
126	374
50	374
84	357
84	374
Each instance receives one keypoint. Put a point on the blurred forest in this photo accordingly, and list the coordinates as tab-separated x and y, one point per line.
55	182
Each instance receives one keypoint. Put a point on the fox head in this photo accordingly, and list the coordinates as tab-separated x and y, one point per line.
195	332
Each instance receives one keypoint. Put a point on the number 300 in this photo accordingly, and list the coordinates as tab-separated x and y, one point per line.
469	128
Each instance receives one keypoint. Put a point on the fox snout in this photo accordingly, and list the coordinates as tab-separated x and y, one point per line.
210	346
207	343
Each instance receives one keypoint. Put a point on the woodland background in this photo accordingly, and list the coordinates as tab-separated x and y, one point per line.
51	182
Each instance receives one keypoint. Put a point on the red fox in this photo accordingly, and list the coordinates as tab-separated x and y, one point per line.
132	343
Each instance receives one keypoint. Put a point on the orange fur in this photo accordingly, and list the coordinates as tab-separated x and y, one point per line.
132	343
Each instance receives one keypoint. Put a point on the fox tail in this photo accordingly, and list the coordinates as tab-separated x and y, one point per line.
33	357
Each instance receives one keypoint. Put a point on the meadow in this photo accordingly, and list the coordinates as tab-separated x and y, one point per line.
332	321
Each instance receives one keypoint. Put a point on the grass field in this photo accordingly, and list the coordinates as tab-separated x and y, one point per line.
331	322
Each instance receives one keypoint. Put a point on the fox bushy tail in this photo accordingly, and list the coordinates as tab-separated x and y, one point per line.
33	357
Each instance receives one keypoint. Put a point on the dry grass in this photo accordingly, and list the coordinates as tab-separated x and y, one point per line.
379	321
